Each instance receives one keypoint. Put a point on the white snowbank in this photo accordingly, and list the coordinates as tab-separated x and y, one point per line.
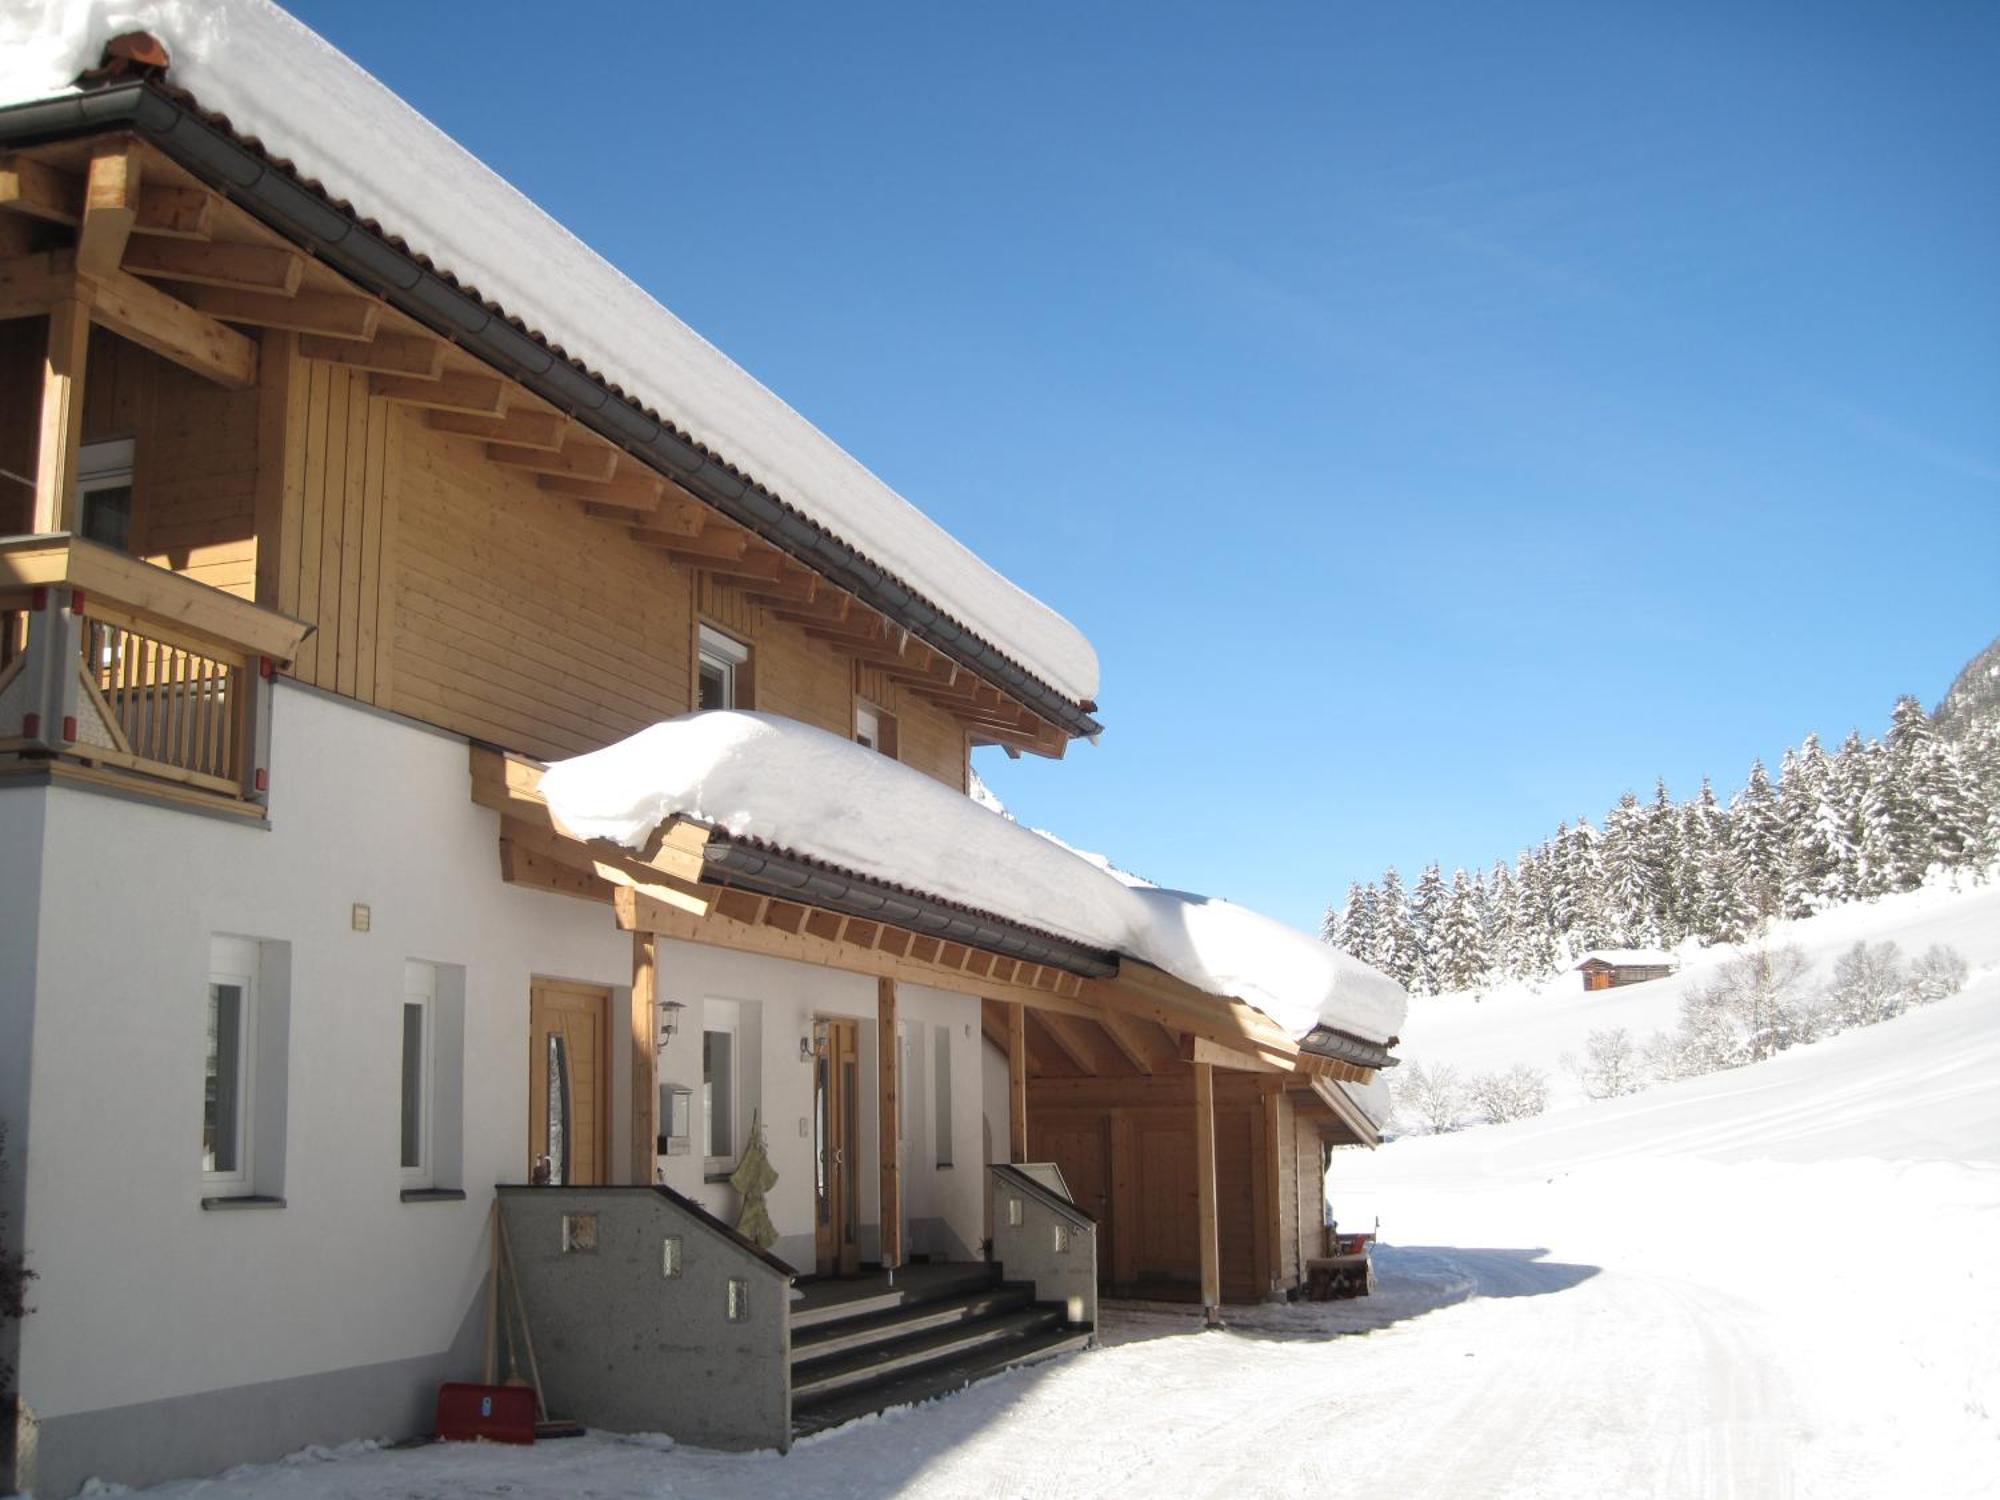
813	793
281	82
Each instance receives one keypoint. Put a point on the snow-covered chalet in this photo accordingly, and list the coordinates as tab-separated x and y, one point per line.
491	886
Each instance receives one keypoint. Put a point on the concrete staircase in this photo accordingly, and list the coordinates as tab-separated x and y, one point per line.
936	1334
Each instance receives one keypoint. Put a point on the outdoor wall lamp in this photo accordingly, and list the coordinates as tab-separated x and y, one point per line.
670	1020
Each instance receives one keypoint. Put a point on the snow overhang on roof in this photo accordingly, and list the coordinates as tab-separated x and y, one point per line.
869	829
308	141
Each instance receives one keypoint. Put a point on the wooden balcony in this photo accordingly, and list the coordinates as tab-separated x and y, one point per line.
113	668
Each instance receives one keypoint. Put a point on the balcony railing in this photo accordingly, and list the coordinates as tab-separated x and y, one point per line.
108	662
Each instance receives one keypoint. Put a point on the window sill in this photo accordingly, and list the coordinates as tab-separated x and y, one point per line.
240	1201
433	1195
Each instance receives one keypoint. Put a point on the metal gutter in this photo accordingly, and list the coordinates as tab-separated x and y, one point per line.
362	255
1324	1041
769	872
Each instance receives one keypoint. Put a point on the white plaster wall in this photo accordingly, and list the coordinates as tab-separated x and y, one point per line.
143	1295
788	996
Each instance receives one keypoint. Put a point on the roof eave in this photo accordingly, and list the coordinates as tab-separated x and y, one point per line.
344	242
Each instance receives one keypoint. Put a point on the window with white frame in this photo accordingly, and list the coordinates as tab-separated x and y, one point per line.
721	1053
874	728
941	1086
722	671
229	1066
104	491
419	1075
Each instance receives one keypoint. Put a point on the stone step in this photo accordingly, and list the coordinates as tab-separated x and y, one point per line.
879	1362
934	1380
847	1335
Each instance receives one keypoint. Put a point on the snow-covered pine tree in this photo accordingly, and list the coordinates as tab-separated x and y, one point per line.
1758	837
1812	830
1628	884
1503	941
1396	951
1427	902
1460	945
1534	922
1666	865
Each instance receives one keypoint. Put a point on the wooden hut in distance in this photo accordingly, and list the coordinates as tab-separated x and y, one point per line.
1608	968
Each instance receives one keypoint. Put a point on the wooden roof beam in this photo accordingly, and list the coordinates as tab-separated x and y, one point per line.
175	213
410	355
32	187
527	428
479	395
110	206
332	315
620	497
576	459
249	268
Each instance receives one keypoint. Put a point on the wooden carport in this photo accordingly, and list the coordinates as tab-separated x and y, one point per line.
1183	1120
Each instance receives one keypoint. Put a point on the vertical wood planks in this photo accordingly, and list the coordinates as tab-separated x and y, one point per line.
1206	1226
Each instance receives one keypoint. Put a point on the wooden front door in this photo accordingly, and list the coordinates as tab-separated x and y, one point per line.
569	1083
1083	1152
836	1131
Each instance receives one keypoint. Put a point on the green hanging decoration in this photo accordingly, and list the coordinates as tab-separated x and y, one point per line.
753	1178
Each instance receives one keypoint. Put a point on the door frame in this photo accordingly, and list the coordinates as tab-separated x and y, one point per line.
837	1213
600	996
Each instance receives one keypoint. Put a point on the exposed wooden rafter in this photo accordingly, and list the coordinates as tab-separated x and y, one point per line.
250	268
409	355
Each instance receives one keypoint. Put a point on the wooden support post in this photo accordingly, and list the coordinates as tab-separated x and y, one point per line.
645	1079
891	1124
1274	1213
1017	1082
1206	1230
56	506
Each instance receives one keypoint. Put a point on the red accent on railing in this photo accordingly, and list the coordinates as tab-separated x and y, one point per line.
266	668
31	726
76	601
69	729
263	780
40	597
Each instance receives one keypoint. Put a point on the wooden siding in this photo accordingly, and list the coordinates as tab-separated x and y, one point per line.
194	461
1290	1206
441	585
457	591
1127	1149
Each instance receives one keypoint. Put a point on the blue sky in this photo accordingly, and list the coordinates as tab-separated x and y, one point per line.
1442	419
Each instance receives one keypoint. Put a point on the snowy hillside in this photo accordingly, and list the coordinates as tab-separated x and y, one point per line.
1537	1024
1828	1222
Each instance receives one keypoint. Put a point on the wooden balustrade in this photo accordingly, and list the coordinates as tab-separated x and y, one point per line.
107	662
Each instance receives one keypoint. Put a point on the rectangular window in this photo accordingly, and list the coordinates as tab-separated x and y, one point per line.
104	489
722	671
419	1073
874	728
228	1066
941	1084
719	1092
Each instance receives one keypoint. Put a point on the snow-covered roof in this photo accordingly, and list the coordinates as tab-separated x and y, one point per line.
1630	958
311	105
812	793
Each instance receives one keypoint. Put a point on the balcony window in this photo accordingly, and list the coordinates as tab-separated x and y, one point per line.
104	492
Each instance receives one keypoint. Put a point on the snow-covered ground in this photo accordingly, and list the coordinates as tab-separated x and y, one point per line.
1774	1281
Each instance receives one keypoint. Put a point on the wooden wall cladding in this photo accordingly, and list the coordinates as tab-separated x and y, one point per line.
195	460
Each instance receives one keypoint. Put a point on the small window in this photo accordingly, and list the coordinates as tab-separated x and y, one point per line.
419	1092
874	728
723	672
228	1067
941	1083
104	491
719	1093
